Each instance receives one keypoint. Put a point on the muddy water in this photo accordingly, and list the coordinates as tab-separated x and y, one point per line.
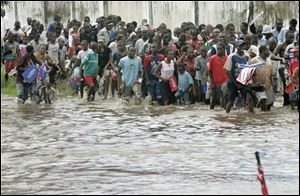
107	147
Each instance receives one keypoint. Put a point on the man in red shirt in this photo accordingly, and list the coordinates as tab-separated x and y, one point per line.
218	76
294	62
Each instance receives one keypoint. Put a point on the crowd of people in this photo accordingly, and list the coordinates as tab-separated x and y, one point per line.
222	65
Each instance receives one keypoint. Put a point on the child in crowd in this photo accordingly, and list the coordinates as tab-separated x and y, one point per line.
201	75
166	69
62	56
294	78
185	85
53	49
22	47
90	70
10	55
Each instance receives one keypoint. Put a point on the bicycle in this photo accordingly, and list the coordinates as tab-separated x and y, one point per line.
41	91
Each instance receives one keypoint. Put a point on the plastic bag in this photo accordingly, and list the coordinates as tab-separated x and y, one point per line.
173	84
101	85
113	75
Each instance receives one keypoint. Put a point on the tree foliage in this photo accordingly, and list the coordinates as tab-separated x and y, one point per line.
3	3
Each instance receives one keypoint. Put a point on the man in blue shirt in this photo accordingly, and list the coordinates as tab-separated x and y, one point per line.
131	67
233	70
56	23
185	85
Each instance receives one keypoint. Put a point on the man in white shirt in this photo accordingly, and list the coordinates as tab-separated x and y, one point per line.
276	31
292	27
43	34
27	28
144	25
262	41
16	31
105	32
4	26
287	53
250	49
140	43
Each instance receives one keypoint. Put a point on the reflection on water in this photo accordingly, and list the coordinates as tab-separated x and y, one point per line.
107	147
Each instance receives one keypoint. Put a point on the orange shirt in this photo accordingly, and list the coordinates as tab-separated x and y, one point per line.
216	66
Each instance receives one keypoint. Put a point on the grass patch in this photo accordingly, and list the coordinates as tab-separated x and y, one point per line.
63	88
9	87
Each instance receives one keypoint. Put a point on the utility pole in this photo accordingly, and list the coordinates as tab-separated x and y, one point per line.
105	8
16	10
73	10
46	14
196	11
251	11
150	13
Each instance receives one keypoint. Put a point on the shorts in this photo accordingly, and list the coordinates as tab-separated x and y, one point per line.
154	89
165	90
294	95
204	88
233	91
71	52
128	91
23	90
275	84
135	89
183	96
75	79
266	94
224	88
100	72
90	80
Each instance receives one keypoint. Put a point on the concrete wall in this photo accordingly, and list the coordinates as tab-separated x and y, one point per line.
278	9
73	10
223	12
173	13
63	8
129	10
44	11
93	9
237	11
22	9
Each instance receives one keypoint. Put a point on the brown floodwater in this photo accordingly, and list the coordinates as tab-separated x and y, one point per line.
107	147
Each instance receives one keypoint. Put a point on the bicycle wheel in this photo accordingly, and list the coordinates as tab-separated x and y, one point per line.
44	96
47	96
51	95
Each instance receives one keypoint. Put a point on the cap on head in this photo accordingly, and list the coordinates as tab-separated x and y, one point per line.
101	39
267	30
240	42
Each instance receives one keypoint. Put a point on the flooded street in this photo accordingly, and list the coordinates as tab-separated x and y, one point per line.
106	147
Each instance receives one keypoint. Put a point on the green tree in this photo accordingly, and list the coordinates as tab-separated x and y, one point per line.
3	3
